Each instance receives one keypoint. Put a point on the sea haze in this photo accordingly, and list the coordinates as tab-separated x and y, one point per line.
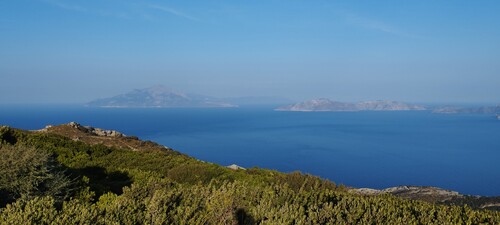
361	149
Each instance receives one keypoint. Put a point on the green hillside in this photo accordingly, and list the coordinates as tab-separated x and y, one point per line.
66	175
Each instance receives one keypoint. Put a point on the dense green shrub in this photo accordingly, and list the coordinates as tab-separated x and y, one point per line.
118	186
28	172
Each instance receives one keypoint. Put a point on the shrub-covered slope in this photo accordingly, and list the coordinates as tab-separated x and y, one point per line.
89	178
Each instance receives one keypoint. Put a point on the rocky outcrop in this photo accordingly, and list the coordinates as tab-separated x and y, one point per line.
235	167
413	192
98	136
323	104
435	195
95	131
423	193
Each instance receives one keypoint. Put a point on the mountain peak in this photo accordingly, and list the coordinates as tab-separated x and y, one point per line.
159	89
159	96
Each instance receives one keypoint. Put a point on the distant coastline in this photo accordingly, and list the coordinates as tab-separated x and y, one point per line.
327	105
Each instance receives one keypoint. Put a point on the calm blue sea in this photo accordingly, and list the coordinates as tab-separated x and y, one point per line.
361	149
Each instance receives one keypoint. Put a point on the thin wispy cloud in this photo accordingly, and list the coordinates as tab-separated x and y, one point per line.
376	25
130	10
78	8
66	6
174	12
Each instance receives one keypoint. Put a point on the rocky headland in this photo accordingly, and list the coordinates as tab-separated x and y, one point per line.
110	138
435	195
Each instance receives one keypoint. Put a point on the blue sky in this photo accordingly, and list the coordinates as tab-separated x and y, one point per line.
61	51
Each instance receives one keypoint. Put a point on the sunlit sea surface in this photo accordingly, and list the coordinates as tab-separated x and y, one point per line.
361	149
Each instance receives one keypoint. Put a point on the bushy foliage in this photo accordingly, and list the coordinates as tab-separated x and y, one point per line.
167	188
165	202
28	172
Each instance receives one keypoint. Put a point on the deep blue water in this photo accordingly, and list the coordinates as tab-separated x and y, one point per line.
361	149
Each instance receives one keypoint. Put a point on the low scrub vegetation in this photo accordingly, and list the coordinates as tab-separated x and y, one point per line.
50	179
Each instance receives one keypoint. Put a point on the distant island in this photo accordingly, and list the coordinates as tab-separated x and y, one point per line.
467	110
159	97
324	104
